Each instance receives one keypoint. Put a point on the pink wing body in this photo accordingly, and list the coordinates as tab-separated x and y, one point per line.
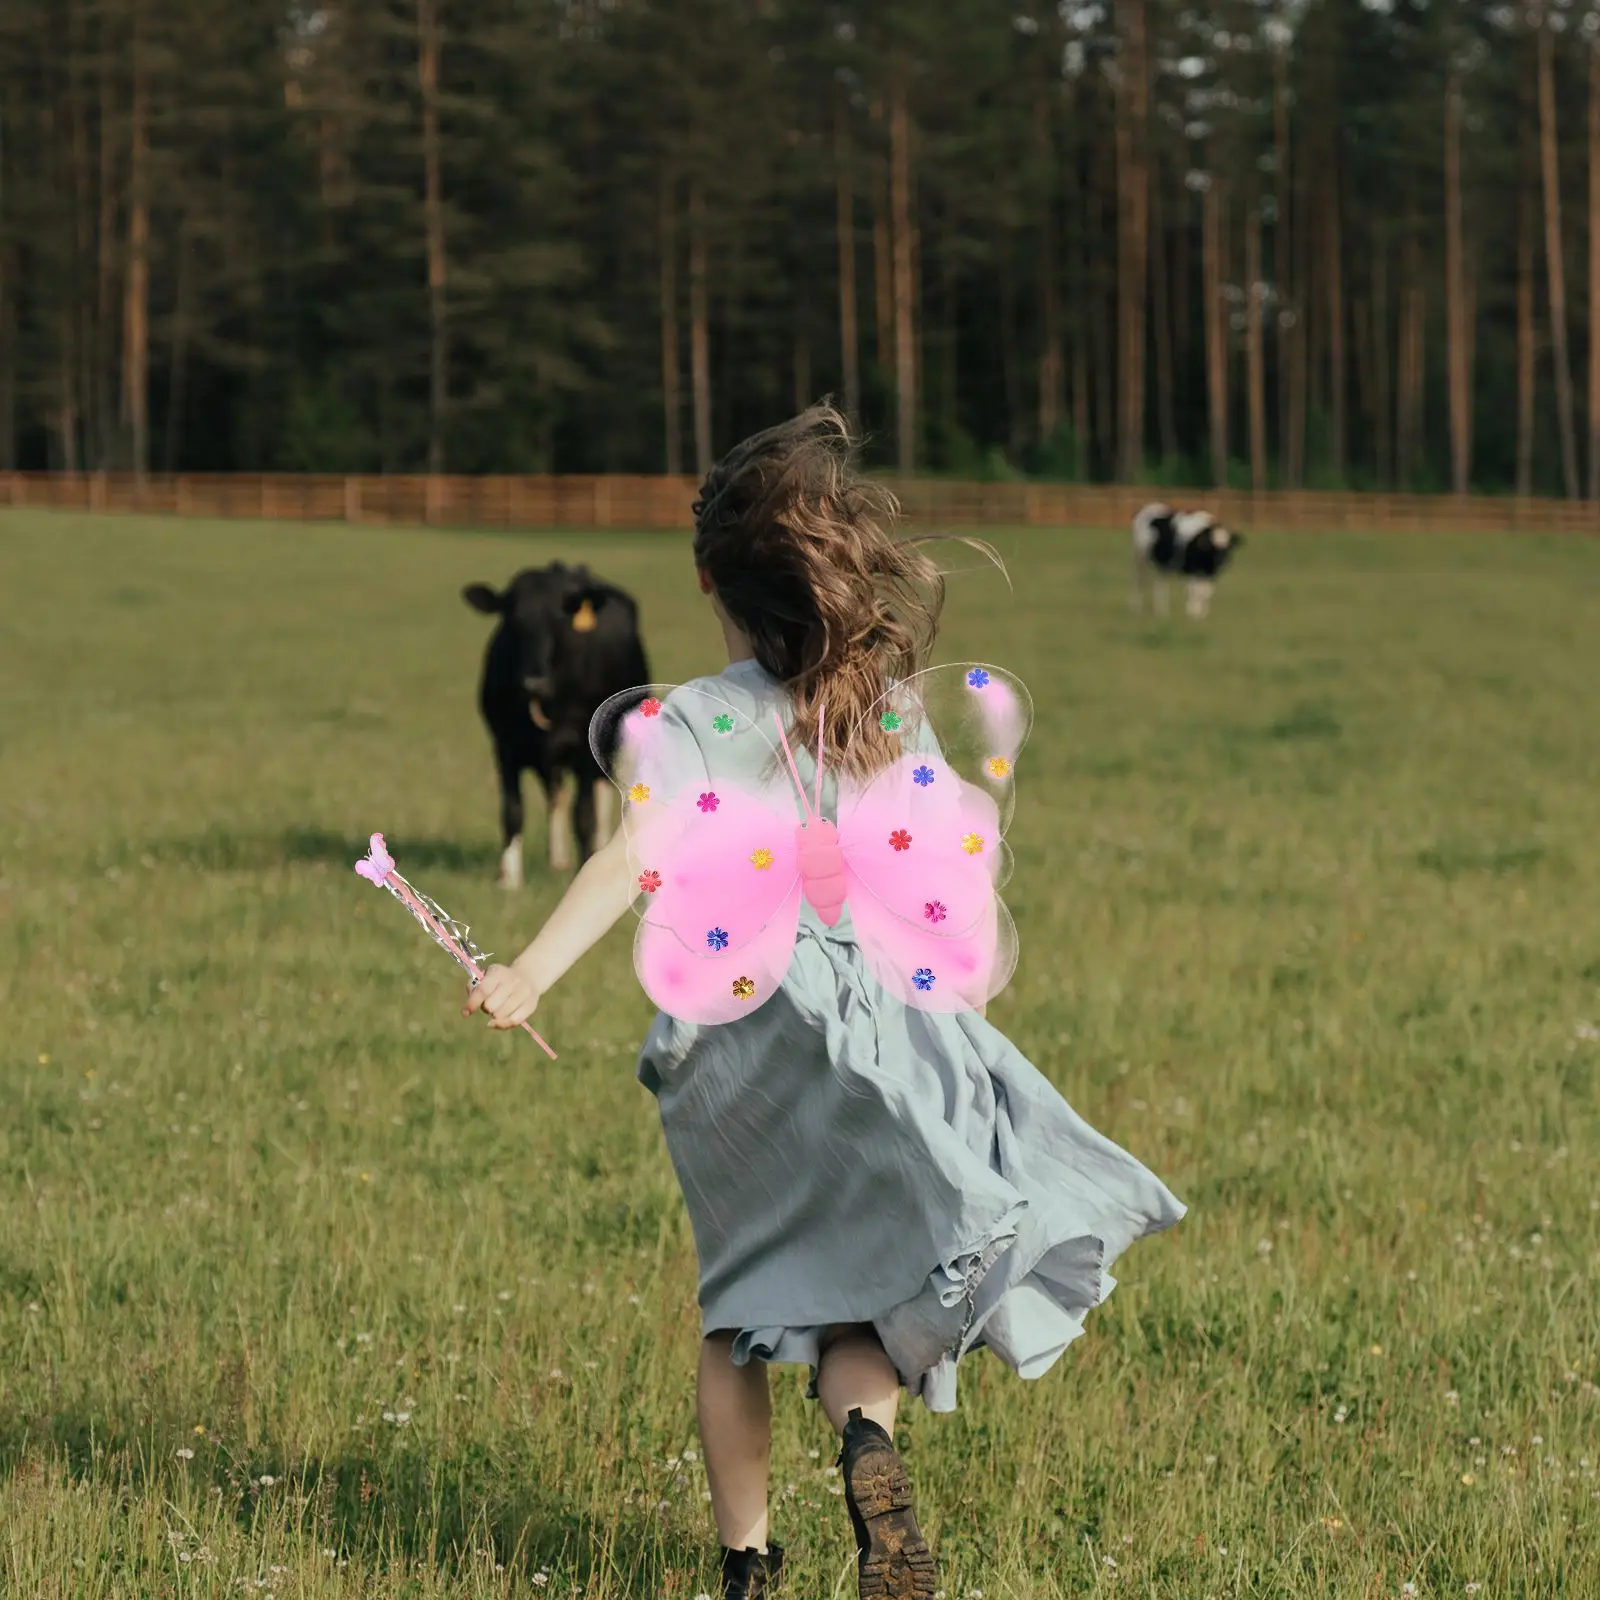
923	840
716	863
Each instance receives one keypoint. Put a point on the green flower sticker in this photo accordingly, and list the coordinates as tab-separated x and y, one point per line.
890	722
722	723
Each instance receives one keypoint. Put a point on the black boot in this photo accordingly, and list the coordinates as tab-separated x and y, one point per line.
748	1574
893	1561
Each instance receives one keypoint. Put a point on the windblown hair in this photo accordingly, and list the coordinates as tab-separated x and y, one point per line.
798	546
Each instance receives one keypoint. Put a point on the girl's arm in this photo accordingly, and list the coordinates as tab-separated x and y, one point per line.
591	907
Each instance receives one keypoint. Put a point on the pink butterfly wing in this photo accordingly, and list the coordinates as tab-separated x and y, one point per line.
377	864
714	858
923	853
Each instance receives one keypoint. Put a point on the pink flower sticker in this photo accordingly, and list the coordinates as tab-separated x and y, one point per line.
649	881
934	911
708	802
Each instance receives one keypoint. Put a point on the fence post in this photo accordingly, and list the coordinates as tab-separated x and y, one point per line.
602	502
352	499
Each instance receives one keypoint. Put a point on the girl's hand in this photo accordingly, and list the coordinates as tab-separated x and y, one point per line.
505	996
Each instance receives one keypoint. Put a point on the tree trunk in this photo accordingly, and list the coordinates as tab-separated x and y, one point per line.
1010	354
802	360
1409	431
845	226
1161	317
905	336
1285	323
1338	383
136	301
671	383
1215	312
106	446
1254	363
1133	216
1051	370
1455	290
699	330
433	219
1594	272
1555	261
1382	409
882	267
1525	354
178	373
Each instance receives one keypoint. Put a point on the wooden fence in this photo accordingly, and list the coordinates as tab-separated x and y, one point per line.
663	503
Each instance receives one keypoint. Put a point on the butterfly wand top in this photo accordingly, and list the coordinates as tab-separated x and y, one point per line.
453	937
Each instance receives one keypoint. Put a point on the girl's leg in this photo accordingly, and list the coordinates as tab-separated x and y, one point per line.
855	1374
736	1434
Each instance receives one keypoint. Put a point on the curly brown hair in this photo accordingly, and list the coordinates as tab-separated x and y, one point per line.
796	543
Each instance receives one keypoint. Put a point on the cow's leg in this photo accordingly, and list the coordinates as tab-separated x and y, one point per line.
606	810
558	792
584	816
1199	602
511	823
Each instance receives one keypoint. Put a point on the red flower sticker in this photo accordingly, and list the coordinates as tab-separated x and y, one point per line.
650	707
900	839
649	881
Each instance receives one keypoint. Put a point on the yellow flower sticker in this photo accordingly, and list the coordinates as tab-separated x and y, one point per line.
999	767
744	989
972	843
761	859
639	793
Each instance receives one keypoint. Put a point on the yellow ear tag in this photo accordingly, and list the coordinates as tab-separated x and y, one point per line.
583	619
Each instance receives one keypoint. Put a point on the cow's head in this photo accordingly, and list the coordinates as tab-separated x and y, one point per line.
548	611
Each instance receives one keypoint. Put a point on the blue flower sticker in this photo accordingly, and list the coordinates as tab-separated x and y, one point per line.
977	679
717	939
922	777
923	978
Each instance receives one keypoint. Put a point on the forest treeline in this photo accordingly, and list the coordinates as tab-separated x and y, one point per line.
1327	243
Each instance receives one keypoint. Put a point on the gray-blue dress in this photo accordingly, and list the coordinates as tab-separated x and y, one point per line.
849	1159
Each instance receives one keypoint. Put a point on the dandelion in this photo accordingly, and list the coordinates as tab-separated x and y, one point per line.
1408	1588
540	1579
1333	1524
1340	1414
44	1058
1376	1350
266	1480
1469	1478
1451	1398
1473	1588
185	1454
1109	1561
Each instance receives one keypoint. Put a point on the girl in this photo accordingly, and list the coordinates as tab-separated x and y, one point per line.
874	1189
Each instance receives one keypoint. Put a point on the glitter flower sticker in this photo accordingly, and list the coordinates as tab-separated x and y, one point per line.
708	802
922	777
900	839
722	723
639	793
744	989
999	767
890	722
934	911
761	859
977	679
923	978
972	843
650	707
716	939
649	881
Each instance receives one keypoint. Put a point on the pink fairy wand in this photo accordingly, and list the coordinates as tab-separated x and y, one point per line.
453	937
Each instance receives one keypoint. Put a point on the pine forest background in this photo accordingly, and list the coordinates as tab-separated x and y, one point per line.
1337	243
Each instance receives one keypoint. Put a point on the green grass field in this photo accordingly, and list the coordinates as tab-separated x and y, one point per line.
307	1288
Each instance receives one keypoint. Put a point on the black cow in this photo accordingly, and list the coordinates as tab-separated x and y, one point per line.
1183	544
566	643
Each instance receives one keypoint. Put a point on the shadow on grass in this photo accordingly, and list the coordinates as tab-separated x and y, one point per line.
222	849
385	1511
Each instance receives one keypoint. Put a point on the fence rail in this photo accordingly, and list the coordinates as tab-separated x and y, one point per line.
663	503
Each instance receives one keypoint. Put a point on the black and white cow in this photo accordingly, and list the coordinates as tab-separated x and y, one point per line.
566	643
1181	544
